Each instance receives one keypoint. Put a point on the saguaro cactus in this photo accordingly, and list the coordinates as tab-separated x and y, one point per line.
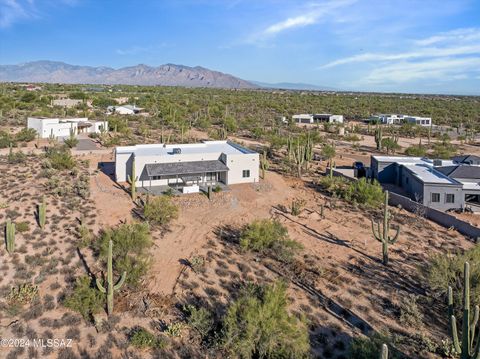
467	350
132	180
384	353
108	287
378	137
264	163
10	236
42	213
383	236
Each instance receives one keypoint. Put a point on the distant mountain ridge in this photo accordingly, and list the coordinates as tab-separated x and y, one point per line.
163	75
293	86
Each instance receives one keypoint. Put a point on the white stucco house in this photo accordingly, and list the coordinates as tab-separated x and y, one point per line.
186	167
398	119
317	118
61	127
124	109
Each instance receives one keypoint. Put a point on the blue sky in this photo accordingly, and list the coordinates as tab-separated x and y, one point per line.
375	45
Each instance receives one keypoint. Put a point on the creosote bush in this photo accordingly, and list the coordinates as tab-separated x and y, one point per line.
160	210
271	236
85	298
258	325
361	192
143	339
60	158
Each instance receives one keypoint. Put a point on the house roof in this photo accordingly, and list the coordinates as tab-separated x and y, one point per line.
184	168
460	171
465	158
428	174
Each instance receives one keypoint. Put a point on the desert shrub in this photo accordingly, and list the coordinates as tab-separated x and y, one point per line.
410	312
416	150
200	319
85	298
269	236
22	227
143	339
160	210
197	263
82	186
26	135
258	325
23	294
71	141
447	270
365	192
60	158
369	347
131	243
16	157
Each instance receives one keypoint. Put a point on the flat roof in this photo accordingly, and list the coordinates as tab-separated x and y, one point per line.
227	147
403	159
184	168
429	174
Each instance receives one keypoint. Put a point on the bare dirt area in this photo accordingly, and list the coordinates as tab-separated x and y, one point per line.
337	281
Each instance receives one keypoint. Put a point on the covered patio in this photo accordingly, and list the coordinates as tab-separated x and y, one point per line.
185	177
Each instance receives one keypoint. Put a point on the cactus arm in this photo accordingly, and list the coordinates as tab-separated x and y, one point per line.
100	287
453	328
120	281
476	352
473	325
395	237
376	233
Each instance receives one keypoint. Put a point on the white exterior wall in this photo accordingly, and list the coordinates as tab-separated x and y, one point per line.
303	118
336	119
420	121
124	111
97	125
238	163
61	127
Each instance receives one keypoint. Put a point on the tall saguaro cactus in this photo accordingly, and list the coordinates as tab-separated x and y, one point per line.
132	180
383	235
42	213
10	236
378	137
108	287
264	165
467	349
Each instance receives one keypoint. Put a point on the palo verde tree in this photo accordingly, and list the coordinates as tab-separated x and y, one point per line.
383	234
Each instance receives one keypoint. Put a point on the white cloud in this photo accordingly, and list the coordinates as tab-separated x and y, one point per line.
462	35
311	15
446	69
12	11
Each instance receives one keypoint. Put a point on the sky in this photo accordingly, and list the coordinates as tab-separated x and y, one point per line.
418	46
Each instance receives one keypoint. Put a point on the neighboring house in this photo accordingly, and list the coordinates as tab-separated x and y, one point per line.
124	110
467	160
61	127
317	118
398	119
439	184
66	102
186	167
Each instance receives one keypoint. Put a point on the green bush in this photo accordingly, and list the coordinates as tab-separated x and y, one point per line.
22	227
258	325
85	298
416	151
269	236
60	158
160	210
369	347
364	192
131	244
143	339
199	319
16	157
26	135
447	270
410	312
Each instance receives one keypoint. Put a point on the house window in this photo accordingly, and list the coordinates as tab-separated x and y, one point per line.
449	198
435	197
246	173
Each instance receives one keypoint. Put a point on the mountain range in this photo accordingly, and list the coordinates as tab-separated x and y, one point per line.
163	75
